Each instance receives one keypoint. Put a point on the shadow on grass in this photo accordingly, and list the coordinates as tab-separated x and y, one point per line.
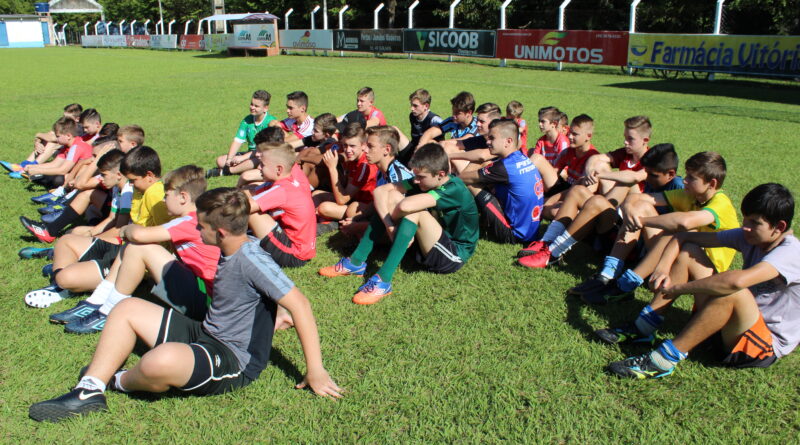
215	55
738	89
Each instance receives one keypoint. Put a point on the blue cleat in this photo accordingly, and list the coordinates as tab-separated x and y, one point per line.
50	217
15	175
47	198
51	208
28	253
47	271
82	309
639	367
11	167
372	291
90	324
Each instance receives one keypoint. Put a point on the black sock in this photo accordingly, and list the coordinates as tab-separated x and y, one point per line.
67	216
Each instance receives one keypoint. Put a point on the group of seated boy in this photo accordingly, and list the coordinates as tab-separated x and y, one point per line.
205	259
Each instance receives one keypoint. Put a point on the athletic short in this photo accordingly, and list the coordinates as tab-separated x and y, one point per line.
183	291
102	254
216	368
443	257
558	187
494	219
754	348
280	247
49	181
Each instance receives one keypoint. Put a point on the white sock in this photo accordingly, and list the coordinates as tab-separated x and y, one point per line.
118	381
101	292
562	244
59	191
91	383
553	231
113	298
72	193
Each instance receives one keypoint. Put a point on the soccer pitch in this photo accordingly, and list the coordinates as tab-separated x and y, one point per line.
492	353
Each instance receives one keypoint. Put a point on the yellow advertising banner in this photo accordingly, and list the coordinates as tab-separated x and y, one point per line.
763	55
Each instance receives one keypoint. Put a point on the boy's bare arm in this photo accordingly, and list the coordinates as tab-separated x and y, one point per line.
478	156
144	235
58	166
626	177
413	204
725	283
341	194
680	221
429	136
306	326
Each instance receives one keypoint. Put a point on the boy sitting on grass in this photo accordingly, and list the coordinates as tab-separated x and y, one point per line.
311	148
366	113
421	118
44	144
752	315
553	142
443	245
461	125
51	174
514	111
298	124
226	351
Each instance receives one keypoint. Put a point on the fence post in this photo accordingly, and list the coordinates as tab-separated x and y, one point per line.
169	27
341	23
108	27
314	12
286	18
122	27
86	29
561	13
375	16
146	32
161	30
132	23
717	25
186	28
503	23
452	22
324	14
64	40
632	24
95	27
411	17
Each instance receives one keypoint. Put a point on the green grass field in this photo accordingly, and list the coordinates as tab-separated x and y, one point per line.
492	353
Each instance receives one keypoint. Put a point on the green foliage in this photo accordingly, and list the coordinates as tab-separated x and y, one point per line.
16	7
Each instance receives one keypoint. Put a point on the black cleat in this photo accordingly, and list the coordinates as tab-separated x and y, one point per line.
77	402
592	284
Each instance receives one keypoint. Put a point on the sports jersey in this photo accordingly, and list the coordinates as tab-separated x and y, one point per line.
89	138
200	258
249	128
376	113
519	188
242	312
76	151
576	166
675	184
475	143
288	201
523	133
450	125
456	211
149	209
551	150
779	298
724	219
323	145
363	175
395	172
121	199
418	127
301	130
623	161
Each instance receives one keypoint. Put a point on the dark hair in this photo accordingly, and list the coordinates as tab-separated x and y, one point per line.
263	96
140	160
327	123
463	102
89	114
226	208
386	135
771	201
550	113
488	107
661	158
111	160
299	98
269	134
73	109
65	125
366	91
431	158
582	119
109	129
507	127
189	178
353	130
708	165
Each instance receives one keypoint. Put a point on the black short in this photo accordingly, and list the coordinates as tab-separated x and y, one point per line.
558	187
494	219
216	368
182	290
102	253
279	246
474	143
48	181
442	258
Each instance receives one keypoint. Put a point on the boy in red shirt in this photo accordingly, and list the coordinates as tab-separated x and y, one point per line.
365	113
514	111
51	174
553	142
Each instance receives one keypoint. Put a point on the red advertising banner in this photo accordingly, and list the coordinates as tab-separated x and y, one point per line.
592	47
193	41
138	41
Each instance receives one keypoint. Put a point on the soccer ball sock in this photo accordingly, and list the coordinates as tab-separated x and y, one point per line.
101	292
374	231
667	356
562	244
113	298
66	218
117	381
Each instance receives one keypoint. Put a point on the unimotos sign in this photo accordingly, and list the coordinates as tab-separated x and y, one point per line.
457	42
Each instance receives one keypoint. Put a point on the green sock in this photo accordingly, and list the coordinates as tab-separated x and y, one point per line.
404	234
373	232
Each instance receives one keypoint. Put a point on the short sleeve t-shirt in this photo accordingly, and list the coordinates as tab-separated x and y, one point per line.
301	129
77	150
450	126
248	284
675	184
523	133
575	163
552	150
200	258
519	188
622	160
148	208
324	145
289	203
724	219
395	172
456	211
419	127
122	199
778	299
249	128
363	175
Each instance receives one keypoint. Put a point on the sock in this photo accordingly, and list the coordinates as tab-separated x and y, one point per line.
562	244
648	320
667	356
113	298
629	281
373	232
91	383
402	237
101	292
611	267
553	230
70	195
117	381
67	216
25	163
58	192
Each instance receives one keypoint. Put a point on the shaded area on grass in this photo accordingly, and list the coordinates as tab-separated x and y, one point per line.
781	93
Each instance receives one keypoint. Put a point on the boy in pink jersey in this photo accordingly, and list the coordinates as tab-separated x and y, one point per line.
298	124
553	142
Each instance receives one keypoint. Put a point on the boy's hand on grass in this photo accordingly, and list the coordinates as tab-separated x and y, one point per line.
321	383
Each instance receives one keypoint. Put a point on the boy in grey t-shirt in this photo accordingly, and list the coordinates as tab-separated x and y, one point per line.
755	311
228	350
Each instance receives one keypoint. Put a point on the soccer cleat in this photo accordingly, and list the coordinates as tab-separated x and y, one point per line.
52	208
610	293
82	309
37	229
593	283
639	367
532	248
44	297
28	253
77	402
17	175
215	172
49	218
47	198
326	227
372	291
539	260
342	268
47	271
625	334
90	324
11	167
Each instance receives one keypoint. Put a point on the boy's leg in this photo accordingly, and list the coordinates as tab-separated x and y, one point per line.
331	210
242	167
261	224
320	196
249	177
68	249
617	194
585	221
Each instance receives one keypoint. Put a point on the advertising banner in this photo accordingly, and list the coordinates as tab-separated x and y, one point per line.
217	42
169	41
90	41
137	41
192	42
767	55
369	40
592	47
261	35
460	42
113	41
306	39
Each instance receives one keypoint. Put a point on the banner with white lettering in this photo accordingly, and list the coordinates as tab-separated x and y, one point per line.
166	41
369	40
457	42
306	39
261	35
592	47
